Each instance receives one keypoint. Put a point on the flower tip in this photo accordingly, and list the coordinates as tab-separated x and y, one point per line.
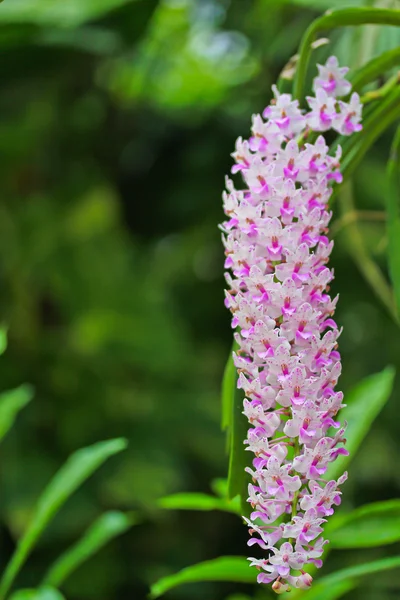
280	588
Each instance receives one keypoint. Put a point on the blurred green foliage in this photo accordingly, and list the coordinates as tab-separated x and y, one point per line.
117	118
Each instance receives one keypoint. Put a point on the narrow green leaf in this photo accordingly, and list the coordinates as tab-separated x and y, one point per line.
364	403
43	593
11	402
224	568
220	487
238	479
332	19
320	589
63	14
370	525
393	216
76	470
228	391
3	339
108	526
374	68
197	501
331	592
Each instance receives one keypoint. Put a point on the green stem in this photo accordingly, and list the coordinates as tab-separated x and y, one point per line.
360	255
357	215
332	19
393	215
296	452
374	68
381	92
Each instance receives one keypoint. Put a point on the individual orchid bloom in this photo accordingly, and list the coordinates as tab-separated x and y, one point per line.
267	423
323	111
313	462
315	551
285	113
304	528
322	499
303	324
331	78
349	117
281	364
258	177
306	423
265	346
257	391
286	161
286	559
302	581
295	388
277	249
298	265
285	299
242	156
267	137
277	481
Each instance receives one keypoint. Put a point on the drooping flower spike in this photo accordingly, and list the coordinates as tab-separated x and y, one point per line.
277	251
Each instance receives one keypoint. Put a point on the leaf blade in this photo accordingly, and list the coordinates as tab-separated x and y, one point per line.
331	592
238	479
364	402
198	501
228	391
11	402
104	529
43	593
352	574
370	525
375	67
224	568
393	216
79	466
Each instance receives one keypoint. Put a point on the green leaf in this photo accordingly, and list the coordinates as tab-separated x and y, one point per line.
374	524
238	479
351	575
108	526
332	19
228	391
11	402
43	593
364	403
220	487
331	592
197	501
76	470
393	216
224	568
64	14
3	340
374	68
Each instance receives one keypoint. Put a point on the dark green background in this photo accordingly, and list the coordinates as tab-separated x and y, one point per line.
117	119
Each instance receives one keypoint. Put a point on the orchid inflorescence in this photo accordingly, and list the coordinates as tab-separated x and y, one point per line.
288	364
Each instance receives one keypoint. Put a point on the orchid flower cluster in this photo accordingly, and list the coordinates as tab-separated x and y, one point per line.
277	249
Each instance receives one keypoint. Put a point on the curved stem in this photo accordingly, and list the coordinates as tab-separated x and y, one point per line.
356	215
374	68
332	19
360	255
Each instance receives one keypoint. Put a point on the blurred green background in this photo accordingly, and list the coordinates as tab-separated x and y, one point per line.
117	119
